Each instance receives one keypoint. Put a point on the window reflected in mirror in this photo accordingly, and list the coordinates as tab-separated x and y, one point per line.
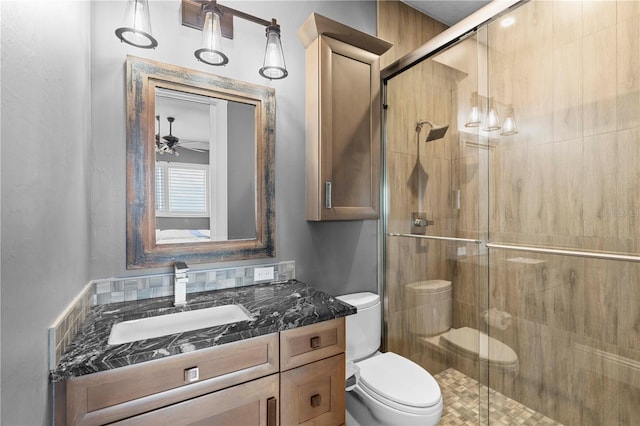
204	168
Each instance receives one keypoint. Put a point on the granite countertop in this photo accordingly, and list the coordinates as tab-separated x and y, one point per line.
275	307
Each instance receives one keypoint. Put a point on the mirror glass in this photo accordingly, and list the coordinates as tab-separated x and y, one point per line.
200	167
204	168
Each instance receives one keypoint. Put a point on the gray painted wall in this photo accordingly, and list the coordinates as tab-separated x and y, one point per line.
336	257
46	120
63	221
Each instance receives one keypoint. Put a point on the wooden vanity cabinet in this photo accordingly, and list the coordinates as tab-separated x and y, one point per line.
292	377
240	377
312	378
342	122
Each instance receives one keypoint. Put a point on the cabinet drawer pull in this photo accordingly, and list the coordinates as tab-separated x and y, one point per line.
327	195
315	342
316	400
271	411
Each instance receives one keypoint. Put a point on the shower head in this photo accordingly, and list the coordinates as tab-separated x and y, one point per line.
435	132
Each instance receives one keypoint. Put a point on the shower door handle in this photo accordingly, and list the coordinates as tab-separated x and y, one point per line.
327	194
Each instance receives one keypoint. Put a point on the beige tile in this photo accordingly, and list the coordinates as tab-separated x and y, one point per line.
567	22
565	196
601	301
628	73
540	184
628	277
600	153
512	191
599	81
567	89
627	9
598	15
627	211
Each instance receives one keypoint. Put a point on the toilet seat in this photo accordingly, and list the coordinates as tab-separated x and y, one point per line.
478	345
399	383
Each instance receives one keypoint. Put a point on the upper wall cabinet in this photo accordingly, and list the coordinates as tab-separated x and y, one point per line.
342	120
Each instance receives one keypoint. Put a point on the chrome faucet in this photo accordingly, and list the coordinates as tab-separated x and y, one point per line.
180	283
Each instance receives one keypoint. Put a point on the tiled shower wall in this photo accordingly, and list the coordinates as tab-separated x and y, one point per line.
569	178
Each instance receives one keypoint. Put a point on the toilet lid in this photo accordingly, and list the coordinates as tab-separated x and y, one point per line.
390	377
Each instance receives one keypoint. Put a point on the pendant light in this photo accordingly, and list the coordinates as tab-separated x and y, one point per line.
273	66
493	121
509	126
136	30
211	50
473	120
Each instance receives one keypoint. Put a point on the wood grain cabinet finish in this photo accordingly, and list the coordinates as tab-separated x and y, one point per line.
238	384
312	378
113	395
253	403
303	345
314	393
342	120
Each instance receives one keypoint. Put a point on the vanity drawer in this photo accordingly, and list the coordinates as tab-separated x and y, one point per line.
112	395
310	343
249	404
314	393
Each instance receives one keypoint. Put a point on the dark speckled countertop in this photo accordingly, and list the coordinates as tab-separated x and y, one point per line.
275	307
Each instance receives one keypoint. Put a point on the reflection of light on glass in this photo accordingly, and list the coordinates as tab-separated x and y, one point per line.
211	45
493	121
273	66
136	30
473	120
508	21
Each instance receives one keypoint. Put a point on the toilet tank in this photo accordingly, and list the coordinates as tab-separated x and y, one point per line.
364	327
429	305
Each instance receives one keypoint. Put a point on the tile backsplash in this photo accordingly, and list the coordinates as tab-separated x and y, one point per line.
114	290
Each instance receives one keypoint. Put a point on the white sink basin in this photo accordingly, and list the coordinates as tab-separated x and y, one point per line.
163	325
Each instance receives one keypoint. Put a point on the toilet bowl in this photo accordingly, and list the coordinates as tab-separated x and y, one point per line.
429	304
390	390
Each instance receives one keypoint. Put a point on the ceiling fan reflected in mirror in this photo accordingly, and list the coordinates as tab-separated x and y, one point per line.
168	143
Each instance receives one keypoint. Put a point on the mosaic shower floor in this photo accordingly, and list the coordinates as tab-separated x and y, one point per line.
461	394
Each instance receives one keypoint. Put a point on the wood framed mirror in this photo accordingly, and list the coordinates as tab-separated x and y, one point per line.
200	167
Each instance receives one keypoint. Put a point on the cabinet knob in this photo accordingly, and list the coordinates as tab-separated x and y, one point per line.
316	400
315	342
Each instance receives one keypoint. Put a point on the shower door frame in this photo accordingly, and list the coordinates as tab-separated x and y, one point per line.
466	28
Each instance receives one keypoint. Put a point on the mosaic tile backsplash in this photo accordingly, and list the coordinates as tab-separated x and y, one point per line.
114	290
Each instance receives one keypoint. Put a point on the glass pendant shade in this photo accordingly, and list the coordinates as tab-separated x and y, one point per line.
509	126
473	120
273	66
136	30
493	121
211	51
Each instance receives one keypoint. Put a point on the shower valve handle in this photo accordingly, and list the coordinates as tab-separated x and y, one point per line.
421	222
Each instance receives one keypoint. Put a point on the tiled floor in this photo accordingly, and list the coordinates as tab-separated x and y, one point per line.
461	395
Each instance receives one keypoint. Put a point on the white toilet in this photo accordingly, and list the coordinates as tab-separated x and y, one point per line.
390	390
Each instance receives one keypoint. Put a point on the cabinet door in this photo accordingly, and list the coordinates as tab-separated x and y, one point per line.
249	404
343	148
314	394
